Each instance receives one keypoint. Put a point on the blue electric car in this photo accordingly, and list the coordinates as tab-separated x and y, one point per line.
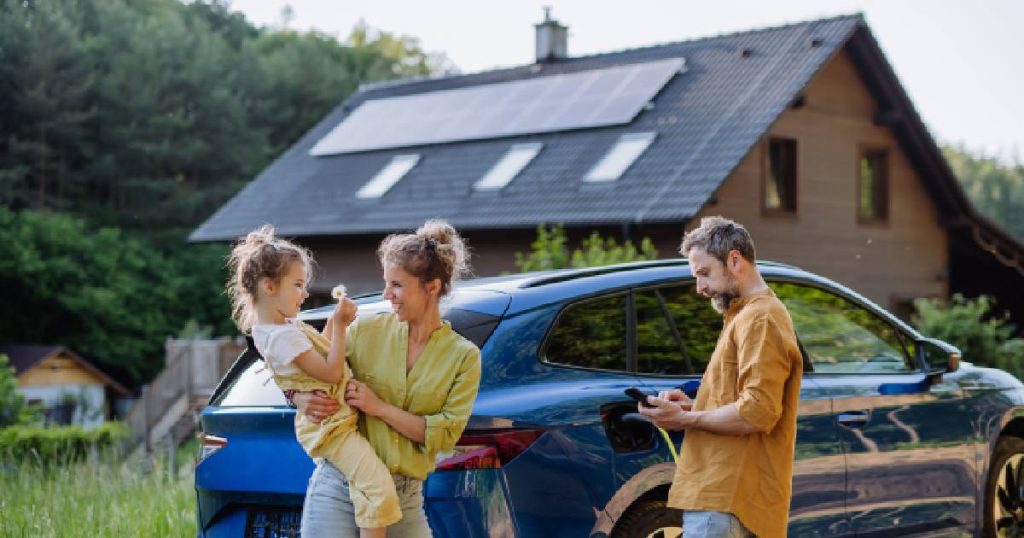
895	436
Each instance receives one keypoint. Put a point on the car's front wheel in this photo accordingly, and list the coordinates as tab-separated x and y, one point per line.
1004	490
649	519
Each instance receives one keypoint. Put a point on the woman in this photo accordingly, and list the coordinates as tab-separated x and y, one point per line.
417	380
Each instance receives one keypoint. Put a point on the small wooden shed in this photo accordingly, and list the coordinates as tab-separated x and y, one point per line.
70	388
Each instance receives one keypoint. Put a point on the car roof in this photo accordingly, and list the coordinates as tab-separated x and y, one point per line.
517	293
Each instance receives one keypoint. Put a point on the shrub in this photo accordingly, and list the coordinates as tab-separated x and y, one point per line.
984	337
550	251
64	444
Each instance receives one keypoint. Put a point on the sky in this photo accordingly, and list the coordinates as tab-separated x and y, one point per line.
962	62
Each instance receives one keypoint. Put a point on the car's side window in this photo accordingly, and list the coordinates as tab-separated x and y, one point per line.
696	322
590	334
840	336
658	350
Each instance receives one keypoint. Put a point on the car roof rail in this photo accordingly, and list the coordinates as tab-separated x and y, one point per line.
565	275
572	274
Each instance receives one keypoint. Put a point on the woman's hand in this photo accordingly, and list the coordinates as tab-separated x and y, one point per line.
362	397
316	405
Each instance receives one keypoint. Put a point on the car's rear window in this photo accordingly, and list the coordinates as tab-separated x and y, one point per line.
249	382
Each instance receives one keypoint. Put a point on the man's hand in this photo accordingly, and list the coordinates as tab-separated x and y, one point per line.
678	397
669	414
316	405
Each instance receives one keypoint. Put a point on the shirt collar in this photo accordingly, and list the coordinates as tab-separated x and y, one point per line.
738	303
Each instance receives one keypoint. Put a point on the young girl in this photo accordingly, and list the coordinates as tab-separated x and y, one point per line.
267	289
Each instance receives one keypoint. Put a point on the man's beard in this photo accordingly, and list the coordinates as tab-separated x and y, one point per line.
720	300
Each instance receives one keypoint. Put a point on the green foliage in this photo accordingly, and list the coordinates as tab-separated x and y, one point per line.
13	409
103	293
149	114
996	189
60	445
550	251
984	337
102	497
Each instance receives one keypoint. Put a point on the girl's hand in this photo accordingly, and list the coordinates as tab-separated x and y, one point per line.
316	405
362	397
344	312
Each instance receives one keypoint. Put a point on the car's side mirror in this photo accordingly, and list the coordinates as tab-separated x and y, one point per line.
939	357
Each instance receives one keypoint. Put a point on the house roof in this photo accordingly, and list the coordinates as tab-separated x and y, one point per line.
706	119
24	357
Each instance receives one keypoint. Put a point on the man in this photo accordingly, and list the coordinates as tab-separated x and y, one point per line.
734	475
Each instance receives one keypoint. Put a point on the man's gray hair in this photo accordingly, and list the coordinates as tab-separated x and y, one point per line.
718	236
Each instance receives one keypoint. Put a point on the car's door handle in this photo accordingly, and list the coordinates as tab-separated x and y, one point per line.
854	419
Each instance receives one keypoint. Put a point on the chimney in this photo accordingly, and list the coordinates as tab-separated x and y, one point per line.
551	38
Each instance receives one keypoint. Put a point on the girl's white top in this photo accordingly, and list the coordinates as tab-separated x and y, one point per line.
280	344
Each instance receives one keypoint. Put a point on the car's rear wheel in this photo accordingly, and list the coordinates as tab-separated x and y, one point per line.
1004	490
649	519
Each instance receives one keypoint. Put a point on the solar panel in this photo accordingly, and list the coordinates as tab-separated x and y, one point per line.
594	98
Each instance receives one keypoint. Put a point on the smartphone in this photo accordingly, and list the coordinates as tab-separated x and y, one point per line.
638	395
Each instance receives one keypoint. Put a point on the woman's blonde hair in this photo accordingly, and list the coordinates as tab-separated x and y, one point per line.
435	250
254	257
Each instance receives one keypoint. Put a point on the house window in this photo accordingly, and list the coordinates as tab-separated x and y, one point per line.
391	174
873	191
505	170
626	151
780	177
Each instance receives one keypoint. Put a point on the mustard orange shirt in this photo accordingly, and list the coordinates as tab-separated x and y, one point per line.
758	366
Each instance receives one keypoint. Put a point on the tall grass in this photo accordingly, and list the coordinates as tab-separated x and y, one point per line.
102	497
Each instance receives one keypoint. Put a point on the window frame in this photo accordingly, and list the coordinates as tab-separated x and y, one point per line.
863	152
766	173
672	325
905	337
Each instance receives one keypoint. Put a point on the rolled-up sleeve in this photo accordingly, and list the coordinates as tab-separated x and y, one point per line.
445	427
764	366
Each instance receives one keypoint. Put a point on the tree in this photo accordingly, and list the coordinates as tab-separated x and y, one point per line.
550	251
996	189
13	409
149	114
104	293
984	337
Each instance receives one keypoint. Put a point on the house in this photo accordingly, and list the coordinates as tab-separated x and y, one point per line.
70	389
802	132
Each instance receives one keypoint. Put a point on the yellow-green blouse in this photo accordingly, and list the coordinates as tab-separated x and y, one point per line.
441	387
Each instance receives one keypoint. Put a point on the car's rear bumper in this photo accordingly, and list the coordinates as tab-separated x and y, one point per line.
459	504
469	504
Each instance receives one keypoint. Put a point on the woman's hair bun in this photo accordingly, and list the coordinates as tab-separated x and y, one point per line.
451	249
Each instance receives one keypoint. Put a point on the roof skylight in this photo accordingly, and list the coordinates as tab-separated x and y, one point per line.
505	170
391	174
626	151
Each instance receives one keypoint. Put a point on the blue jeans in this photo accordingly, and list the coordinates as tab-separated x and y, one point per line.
328	510
713	525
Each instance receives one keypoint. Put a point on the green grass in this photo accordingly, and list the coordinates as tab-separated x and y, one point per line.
106	498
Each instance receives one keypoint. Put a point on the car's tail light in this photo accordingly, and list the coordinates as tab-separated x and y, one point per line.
208	444
488	449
